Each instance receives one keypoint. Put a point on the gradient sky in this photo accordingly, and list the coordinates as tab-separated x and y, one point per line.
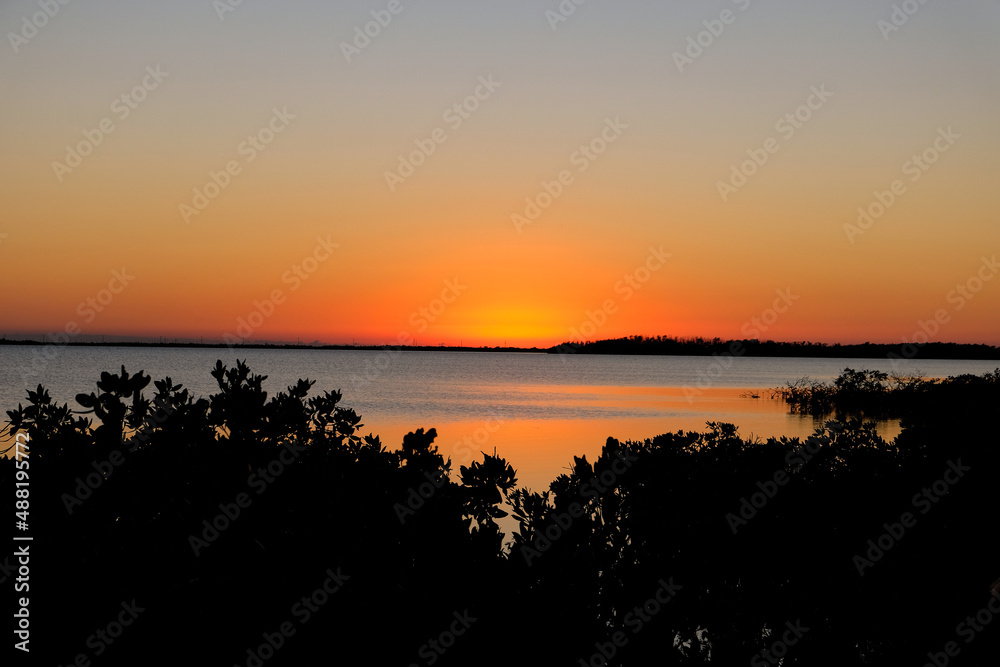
657	185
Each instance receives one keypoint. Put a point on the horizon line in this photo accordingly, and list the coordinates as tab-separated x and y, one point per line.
99	340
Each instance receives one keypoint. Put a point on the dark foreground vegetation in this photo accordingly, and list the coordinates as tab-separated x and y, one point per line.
248	529
878	395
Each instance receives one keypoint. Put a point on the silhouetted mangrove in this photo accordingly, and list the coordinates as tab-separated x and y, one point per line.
248	529
875	394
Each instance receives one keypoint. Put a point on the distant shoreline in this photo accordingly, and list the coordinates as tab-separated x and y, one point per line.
621	347
280	346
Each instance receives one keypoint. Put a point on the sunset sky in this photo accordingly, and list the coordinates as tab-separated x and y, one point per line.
333	222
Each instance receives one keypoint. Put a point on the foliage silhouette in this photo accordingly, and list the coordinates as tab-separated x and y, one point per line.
874	394
323	497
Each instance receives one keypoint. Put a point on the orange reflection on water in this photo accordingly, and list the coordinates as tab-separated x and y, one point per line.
542	449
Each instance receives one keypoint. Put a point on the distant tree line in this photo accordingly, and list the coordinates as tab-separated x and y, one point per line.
666	345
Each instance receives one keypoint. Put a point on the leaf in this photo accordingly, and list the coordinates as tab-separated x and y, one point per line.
138	382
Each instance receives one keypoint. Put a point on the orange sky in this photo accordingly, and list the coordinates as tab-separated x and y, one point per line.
310	216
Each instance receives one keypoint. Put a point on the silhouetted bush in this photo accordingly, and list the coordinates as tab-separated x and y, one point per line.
875	394
696	548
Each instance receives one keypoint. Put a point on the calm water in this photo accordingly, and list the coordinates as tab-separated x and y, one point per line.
537	410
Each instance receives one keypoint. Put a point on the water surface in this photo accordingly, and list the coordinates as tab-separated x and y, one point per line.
537	410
